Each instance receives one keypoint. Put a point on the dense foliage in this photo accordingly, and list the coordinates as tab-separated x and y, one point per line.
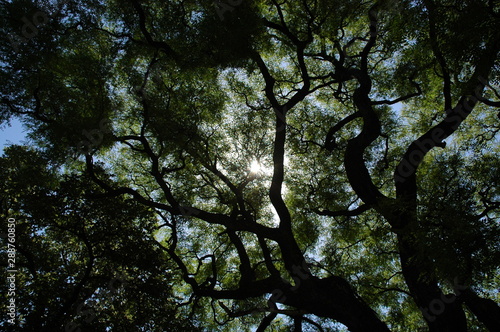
305	165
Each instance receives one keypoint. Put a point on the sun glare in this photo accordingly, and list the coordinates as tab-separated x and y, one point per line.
255	167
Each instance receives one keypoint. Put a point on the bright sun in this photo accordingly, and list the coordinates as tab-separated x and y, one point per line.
255	167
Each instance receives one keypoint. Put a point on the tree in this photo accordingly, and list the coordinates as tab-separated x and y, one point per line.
306	165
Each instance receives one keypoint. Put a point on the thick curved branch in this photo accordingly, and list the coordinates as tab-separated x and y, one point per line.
264	324
253	289
486	310
356	170
330	139
373	16
307	320
247	274
275	191
405	174
425	291
268	260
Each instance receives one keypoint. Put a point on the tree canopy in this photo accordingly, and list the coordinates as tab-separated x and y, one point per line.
292	165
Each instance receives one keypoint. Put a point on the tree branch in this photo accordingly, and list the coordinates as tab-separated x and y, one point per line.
349	213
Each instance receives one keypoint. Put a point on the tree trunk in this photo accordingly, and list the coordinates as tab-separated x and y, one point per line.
333	298
486	310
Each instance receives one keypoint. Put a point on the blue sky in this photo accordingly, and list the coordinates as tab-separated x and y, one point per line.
12	134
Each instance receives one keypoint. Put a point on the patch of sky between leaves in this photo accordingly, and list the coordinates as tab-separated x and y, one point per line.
13	133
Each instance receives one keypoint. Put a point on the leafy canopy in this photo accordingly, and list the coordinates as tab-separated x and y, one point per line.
242	165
